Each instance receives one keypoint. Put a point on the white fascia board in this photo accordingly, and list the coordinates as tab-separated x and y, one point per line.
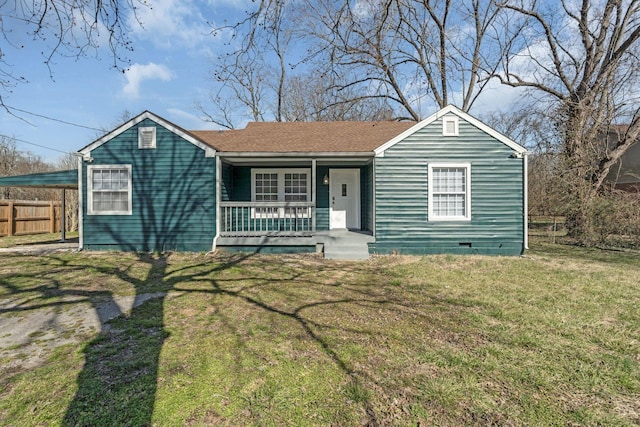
209	151
450	109
296	154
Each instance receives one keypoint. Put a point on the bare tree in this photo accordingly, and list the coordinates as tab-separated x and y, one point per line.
69	162
249	79
15	162
8	161
401	56
584	59
313	97
64	28
534	128
410	52
581	58
240	89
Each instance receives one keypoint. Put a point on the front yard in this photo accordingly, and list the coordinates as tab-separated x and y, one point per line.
548	339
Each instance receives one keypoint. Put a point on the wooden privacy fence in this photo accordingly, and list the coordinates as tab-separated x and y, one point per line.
29	217
550	226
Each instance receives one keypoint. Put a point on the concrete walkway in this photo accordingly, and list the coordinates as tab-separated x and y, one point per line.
41	248
30	330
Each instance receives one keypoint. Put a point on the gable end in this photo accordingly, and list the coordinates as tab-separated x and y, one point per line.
448	112
209	151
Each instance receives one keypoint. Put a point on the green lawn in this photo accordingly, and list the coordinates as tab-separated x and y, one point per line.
8	242
552	338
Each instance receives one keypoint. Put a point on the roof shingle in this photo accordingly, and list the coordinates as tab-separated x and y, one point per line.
304	137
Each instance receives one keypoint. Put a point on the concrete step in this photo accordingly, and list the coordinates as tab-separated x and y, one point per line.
347	252
344	244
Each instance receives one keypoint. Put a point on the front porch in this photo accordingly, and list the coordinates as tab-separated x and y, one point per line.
295	204
293	196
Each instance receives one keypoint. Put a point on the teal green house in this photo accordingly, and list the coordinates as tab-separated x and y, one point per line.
447	184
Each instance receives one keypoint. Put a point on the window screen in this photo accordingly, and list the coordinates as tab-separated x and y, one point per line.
110	190
266	187
295	187
449	192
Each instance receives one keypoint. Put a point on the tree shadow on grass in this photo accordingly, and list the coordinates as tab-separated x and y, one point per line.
355	388
118	381
117	384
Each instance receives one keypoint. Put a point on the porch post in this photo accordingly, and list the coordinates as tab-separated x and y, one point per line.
313	195
218	186
63	219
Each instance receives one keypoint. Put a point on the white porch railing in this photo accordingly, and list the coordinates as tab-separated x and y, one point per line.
246	219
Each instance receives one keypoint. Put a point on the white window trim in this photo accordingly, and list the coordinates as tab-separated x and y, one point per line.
143	129
432	216
281	172
90	169
449	119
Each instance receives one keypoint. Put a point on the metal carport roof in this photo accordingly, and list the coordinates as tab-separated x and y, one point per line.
65	180
60	179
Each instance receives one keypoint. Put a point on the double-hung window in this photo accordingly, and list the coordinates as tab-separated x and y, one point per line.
265	189
109	189
280	185
449	192
296	189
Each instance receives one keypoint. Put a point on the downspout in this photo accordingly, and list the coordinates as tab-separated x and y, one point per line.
526	199
218	200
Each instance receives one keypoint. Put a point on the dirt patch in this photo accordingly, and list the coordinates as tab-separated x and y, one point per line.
30	333
41	248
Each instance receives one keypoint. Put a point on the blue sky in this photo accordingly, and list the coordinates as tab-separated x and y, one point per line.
170	61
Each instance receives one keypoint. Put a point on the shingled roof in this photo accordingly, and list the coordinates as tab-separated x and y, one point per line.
304	137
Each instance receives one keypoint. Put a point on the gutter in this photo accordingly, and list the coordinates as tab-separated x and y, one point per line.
302	155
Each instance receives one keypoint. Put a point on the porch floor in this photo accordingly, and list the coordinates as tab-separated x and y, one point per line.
337	244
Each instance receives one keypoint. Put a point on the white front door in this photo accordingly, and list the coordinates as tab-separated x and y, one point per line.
344	195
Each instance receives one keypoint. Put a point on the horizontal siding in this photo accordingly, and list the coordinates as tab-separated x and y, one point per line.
497	198
226	186
241	184
173	196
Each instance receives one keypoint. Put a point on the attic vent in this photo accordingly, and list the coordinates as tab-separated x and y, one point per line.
146	137
450	126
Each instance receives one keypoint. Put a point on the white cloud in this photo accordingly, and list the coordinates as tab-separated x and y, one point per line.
171	23
138	73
